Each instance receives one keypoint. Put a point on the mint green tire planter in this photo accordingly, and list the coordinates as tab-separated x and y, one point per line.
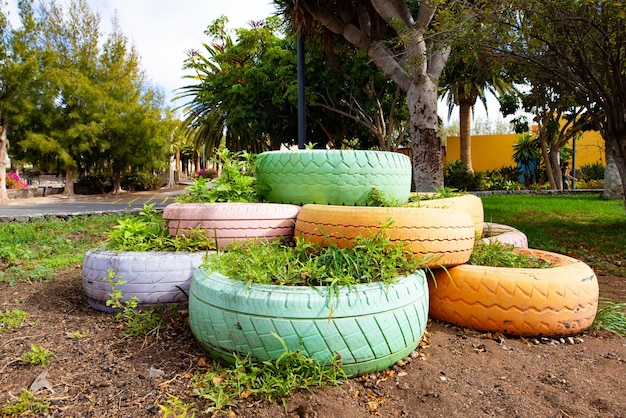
371	326
335	177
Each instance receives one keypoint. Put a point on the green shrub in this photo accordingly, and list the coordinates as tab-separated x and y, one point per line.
236	184
590	172
148	232
457	175
91	184
140	181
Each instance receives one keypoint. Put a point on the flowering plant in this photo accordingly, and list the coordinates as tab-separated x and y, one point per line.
207	173
14	181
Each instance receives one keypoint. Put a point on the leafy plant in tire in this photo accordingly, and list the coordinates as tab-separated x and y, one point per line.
236	183
268	380
498	254
147	232
373	259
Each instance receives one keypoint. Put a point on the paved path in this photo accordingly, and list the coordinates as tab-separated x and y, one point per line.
62	206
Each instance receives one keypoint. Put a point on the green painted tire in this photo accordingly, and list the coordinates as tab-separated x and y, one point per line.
335	177
371	326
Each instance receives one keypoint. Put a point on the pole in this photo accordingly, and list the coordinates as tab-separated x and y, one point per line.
573	182
301	90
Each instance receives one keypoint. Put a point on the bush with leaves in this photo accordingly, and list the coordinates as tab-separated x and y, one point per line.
13	181
374	258
139	181
589	172
456	175
148	232
91	184
236	183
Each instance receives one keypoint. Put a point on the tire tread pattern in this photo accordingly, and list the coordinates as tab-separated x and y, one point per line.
335	177
556	301
370	328
153	277
445	237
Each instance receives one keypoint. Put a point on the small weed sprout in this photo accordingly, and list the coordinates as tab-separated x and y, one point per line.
12	319
175	408
37	356
77	335
136	322
25	404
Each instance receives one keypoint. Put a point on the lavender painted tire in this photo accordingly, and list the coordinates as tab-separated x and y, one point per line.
229	222
505	234
154	278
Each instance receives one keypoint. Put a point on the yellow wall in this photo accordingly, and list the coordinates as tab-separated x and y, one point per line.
490	152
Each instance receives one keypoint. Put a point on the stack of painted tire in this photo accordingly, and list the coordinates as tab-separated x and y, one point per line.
371	326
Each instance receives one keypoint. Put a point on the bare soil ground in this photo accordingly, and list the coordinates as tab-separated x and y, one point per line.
456	372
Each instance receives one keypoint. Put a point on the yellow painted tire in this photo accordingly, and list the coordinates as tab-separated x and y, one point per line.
557	301
467	202
445	237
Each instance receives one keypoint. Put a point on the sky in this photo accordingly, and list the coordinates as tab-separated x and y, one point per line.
162	30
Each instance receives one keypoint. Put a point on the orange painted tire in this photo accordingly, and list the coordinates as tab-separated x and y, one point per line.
445	236
469	203
556	301
229	222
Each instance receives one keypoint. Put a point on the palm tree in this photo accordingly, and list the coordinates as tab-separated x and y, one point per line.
469	73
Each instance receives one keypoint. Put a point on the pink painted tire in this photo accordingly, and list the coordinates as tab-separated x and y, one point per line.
230	222
504	234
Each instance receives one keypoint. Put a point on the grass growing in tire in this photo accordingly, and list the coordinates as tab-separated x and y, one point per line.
373	259
148	232
498	254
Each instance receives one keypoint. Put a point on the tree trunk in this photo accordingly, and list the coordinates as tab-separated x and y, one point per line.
613	180
4	162
117	181
553	170
69	181
426	145
465	133
171	181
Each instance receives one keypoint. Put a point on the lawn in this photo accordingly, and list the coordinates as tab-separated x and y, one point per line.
582	226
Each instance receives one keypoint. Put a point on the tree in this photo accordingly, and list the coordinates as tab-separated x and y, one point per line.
559	120
400	38
133	134
73	131
470	72
582	45
350	103
19	76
